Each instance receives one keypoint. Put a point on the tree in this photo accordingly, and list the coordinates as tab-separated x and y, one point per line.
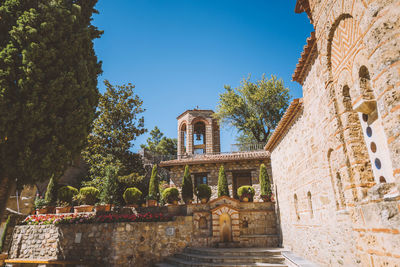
157	143
223	189
187	186
265	183
48	87
109	193
254	108
118	124
51	192
154	191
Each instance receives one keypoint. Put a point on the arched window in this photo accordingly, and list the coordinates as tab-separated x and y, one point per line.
339	186
199	137
310	204
203	223
296	207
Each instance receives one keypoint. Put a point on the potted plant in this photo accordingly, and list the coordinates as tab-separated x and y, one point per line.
87	197
203	192
65	196
40	205
246	193
132	197
154	192
109	190
187	186
171	195
266	192
51	195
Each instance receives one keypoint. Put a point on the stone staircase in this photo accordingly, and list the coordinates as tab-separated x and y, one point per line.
226	257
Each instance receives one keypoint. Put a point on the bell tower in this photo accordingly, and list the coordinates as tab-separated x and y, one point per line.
198	133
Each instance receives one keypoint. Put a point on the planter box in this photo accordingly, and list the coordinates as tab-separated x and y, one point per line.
83	208
46	210
106	207
63	209
151	203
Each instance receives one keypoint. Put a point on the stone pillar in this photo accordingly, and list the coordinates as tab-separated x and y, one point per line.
189	139
209	139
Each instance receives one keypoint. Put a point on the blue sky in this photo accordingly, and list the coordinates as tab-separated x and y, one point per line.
180	53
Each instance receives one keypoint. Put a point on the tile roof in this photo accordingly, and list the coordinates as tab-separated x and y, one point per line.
306	60
303	6
201	110
217	158
284	123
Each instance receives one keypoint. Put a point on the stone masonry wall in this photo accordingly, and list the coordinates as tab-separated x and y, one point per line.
334	208
112	244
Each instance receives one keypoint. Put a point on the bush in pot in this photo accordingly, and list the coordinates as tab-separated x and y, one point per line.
51	195
65	195
109	190
171	195
246	193
40	205
132	196
187	186
265	184
203	192
87	197
154	193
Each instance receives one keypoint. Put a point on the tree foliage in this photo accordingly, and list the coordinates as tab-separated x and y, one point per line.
109	193
265	183
187	185
154	190
159	144
48	85
118	124
254	107
51	192
223	189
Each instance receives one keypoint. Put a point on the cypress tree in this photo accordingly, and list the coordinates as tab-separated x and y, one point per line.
187	186
48	86
51	192
109	191
223	189
264	181
154	192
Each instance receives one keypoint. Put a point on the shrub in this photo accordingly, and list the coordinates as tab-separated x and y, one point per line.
51	192
187	186
109	189
132	195
40	202
170	195
88	195
4	234
246	191
223	189
66	194
154	192
265	182
203	191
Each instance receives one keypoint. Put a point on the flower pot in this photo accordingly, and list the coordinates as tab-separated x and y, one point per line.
266	198
46	210
63	210
203	200
105	207
151	203
245	199
41	211
83	208
188	201
175	202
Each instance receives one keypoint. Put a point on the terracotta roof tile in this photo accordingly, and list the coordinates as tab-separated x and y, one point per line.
217	158
306	60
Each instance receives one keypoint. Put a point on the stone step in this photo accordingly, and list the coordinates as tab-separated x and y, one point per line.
230	258
219	252
185	263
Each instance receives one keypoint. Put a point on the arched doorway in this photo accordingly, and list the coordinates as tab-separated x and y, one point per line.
225	228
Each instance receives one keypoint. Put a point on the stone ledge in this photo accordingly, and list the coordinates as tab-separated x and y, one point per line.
293	260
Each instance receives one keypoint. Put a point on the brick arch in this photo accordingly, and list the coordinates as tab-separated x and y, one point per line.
199	119
183	123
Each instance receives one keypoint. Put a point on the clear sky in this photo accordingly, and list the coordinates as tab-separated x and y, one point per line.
180	53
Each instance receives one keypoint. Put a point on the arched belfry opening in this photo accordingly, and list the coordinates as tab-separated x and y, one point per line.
198	133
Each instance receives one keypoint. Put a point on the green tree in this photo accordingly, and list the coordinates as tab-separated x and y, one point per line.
187	186
154	190
118	124
109	193
51	193
265	183
159	144
223	189
254	108
48	86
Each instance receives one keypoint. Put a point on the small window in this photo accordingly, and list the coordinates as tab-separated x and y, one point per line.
310	204
200	178
203	223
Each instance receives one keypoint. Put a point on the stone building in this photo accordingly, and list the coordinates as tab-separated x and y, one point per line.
199	147
335	155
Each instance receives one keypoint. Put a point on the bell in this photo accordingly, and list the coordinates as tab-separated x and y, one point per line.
198	137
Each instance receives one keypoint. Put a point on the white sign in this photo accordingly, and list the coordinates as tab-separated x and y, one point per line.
78	237
170	231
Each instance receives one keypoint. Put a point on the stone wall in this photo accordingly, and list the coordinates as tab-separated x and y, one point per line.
335	208
112	244
212	170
